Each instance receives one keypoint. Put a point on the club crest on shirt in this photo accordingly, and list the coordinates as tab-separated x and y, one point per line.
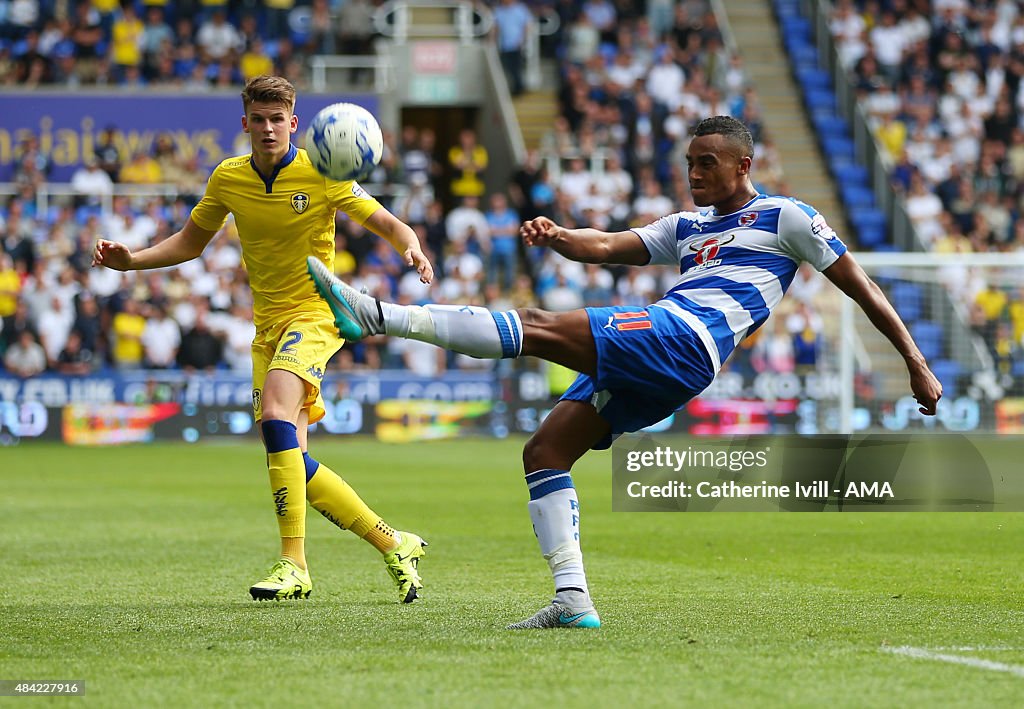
747	218
707	250
300	202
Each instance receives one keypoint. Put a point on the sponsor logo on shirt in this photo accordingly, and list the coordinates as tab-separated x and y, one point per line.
707	251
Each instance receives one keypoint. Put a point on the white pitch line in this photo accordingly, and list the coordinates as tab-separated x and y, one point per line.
922	654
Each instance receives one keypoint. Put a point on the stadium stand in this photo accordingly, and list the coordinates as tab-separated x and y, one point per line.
630	85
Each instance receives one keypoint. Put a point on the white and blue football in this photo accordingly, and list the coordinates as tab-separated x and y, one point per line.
344	142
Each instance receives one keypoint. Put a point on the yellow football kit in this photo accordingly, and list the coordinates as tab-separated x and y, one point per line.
282	218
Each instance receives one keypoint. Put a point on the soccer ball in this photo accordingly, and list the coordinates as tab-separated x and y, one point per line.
344	142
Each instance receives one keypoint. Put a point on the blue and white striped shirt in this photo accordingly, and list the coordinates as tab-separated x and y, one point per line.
735	268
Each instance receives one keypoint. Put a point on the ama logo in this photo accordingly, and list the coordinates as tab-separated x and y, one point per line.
707	251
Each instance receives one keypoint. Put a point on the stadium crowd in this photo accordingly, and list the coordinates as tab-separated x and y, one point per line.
632	84
941	84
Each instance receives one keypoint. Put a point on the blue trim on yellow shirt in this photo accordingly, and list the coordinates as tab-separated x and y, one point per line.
285	162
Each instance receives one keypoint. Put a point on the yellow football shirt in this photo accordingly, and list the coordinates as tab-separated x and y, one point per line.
281	220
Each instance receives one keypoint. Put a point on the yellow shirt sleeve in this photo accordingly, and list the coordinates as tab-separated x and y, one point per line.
352	199
210	213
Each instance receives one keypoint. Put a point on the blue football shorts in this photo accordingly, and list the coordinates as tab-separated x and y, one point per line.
649	363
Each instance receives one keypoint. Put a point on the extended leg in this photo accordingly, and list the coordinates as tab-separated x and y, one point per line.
563	338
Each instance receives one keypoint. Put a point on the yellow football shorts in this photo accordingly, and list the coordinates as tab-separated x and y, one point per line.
302	345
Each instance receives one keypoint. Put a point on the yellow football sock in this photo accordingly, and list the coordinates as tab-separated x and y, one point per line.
338	502
287	473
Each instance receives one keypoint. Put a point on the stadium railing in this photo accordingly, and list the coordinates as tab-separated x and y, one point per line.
383	69
45	193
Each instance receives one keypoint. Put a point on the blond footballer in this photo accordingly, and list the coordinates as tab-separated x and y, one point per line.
285	211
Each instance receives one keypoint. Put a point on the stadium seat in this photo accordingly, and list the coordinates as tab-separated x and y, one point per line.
820	99
796	43
850	173
928	336
871	237
786	8
870	226
804	53
827	123
856	196
814	79
868	217
838	147
908	299
947	371
794	27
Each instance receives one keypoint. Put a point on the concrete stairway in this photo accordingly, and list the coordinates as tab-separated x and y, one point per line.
537	109
757	38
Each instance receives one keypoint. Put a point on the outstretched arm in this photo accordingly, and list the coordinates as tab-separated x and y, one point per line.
182	246
850	278
586	245
402	239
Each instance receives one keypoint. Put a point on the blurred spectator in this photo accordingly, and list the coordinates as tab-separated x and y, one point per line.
466	224
90	183
411	207
651	204
923	208
468	159
14	324
503	224
107	152
126	334
157	38
74	359
31	66
237	332
511	23
420	358
126	39
322	35
355	23
54	326
277	13
562	296
86	34
160	339
10	286
33	165
598	288
805	326
25	357
255	60
200	349
141	170
218	39
88	323
773	351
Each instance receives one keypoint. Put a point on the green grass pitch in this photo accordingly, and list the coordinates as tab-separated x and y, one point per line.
129	568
